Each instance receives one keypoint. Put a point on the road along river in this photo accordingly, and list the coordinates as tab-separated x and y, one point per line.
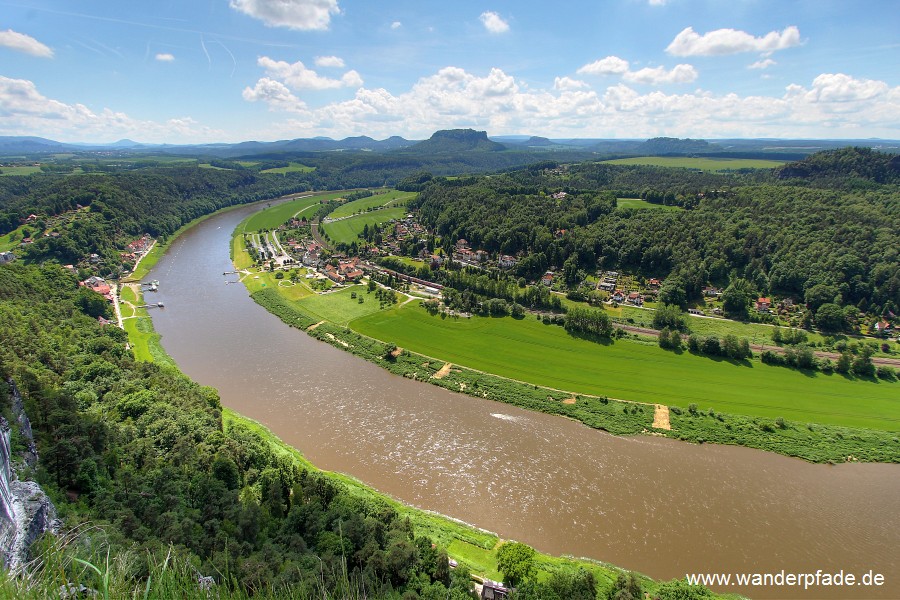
658	506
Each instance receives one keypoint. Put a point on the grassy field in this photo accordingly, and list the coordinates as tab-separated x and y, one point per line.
638	203
139	326
339	307
19	170
704	164
278	215
393	198
291	168
545	355
348	230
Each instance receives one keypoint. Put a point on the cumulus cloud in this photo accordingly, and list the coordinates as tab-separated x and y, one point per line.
660	76
165	57
657	2
25	111
832	105
303	15
275	94
330	61
567	83
298	76
731	41
762	64
611	65
396	25
493	22
24	43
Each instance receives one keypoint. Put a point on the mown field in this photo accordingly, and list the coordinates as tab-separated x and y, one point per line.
348	230
292	168
339	307
547	355
643	204
392	198
19	170
278	215
704	164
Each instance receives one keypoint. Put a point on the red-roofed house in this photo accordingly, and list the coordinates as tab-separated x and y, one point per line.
763	304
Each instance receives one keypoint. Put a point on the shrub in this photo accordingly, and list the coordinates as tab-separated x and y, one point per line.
887	373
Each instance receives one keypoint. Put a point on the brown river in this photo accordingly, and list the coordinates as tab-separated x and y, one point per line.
661	507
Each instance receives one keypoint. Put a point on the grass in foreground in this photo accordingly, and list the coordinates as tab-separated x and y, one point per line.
704	164
530	351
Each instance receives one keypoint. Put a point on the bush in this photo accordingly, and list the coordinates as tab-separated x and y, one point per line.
887	373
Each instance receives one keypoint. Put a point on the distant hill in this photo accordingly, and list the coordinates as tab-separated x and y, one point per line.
848	165
30	145
665	145
457	140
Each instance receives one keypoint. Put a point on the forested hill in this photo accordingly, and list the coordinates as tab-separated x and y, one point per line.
100	213
815	244
845	168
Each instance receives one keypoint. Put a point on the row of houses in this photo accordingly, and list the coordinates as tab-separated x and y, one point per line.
347	270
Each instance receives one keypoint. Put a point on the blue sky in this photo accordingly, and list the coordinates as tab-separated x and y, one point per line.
231	70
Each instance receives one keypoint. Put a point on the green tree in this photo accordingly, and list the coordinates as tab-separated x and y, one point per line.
830	317
626	587
820	294
669	315
736	298
673	291
516	561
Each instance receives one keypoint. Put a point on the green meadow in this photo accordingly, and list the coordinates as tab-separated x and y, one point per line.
339	307
643	204
392	198
348	230
291	168
704	164
547	355
19	170
278	215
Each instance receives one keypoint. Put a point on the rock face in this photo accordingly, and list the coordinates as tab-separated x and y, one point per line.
25	510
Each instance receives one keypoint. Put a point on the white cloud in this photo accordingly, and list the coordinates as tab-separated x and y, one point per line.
833	105
568	84
660	76
605	66
731	41
25	111
762	64
165	57
298	77
304	15
396	25
838	87
330	61
24	43
493	22
657	2
275	94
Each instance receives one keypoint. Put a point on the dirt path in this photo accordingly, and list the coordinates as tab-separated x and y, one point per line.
443	372
661	417
311	327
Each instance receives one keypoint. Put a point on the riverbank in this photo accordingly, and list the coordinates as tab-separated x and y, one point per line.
815	443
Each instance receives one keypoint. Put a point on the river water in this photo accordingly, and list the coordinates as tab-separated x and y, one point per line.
658	506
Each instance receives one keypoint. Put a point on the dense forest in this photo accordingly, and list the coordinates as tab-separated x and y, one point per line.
797	238
100	213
